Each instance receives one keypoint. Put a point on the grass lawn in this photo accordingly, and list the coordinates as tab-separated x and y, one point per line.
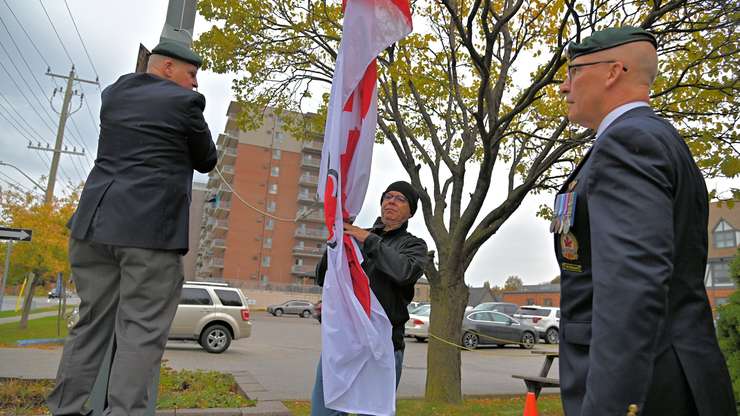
8	314
37	328
548	405
177	389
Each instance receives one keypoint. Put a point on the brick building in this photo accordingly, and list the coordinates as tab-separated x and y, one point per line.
542	295
261	222
724	236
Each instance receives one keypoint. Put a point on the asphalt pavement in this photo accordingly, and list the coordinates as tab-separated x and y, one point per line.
279	362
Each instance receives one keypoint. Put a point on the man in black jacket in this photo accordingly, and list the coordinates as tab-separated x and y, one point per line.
394	261
130	231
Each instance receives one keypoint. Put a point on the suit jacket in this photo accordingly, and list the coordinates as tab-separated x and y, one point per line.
632	277
152	136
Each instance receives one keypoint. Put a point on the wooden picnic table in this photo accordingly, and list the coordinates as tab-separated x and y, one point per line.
535	384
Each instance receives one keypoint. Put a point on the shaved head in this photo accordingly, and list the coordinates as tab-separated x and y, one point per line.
175	70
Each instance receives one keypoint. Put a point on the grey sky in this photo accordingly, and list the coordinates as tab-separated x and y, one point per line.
112	31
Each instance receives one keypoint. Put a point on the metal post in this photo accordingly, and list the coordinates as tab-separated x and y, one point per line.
60	137
8	250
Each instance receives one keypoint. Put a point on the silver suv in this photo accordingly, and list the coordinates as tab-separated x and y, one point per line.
544	318
212	314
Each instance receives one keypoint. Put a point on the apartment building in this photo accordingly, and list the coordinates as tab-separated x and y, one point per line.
261	221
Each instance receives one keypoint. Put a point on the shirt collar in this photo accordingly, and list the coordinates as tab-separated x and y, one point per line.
614	114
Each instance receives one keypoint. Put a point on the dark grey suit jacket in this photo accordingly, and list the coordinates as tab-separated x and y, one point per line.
152	136
635	318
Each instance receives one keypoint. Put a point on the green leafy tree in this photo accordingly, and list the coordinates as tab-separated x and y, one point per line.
46	254
728	329
476	87
513	283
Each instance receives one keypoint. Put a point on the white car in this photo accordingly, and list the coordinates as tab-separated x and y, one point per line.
418	324
545	319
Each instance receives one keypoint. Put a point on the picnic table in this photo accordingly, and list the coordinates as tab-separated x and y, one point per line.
535	384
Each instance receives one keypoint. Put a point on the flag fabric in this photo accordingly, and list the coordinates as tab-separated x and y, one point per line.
358	363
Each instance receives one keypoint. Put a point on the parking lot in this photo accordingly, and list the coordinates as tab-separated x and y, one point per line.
283	351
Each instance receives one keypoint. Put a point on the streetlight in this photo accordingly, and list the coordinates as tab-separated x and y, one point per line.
24	174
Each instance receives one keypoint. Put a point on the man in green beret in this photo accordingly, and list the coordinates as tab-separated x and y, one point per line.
631	241
130	231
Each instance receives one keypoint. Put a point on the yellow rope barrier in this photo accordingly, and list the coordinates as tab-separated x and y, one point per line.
502	341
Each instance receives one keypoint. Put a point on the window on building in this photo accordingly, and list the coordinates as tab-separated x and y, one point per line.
547	302
276	154
275	171
273	188
720	271
265	261
269	224
271	206
724	235
530	301
299	262
721	301
264	278
267	243
300	244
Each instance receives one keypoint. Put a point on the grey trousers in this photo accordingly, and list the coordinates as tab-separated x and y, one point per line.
131	293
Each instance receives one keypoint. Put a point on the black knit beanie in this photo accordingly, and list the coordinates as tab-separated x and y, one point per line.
407	190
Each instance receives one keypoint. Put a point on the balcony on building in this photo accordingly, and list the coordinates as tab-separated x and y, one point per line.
310	215
310	162
217	245
224	193
303	251
226	140
313	234
219	228
220	210
227	156
308	198
302	270
214	263
308	180
312	146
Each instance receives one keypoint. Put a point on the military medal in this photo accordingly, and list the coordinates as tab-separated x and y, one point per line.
564	212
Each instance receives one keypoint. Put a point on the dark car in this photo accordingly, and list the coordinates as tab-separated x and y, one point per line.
494	328
302	308
317	311
504	307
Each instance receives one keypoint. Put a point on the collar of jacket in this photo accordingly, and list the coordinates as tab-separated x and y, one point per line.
378	228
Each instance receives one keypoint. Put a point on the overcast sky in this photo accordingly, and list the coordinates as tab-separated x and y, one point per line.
112	31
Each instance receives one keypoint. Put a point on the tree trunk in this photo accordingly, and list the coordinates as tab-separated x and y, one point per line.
449	297
27	301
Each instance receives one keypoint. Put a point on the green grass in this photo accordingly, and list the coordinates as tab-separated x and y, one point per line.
8	314
548	405
37	328
177	390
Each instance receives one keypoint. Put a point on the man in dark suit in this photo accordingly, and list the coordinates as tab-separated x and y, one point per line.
130	231
631	241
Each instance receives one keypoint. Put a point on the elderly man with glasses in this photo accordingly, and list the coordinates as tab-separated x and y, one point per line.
394	261
631	241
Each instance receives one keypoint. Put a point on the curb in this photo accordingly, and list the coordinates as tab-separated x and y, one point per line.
263	408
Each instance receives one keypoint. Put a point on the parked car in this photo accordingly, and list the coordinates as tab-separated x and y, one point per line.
504	307
494	328
317	311
302	308
418	324
545	319
213	314
412	306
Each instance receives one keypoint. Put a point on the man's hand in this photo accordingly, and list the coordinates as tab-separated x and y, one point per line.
358	233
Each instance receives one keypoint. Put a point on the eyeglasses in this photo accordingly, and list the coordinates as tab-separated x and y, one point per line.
398	198
572	68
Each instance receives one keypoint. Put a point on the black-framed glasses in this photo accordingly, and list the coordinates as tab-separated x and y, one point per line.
399	198
572	67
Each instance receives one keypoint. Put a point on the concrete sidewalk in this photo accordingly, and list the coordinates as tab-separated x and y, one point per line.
12	319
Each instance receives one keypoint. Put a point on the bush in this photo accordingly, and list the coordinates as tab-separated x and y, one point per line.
728	329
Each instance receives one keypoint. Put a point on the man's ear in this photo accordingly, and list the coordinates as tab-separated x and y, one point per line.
168	67
616	70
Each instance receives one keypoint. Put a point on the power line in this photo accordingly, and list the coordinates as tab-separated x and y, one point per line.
4	114
57	33
90	113
28	125
27	35
15	184
97	77
51	128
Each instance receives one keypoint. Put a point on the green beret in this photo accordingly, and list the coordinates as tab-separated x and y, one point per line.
609	38
179	51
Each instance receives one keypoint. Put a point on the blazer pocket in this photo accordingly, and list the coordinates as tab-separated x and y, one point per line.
577	333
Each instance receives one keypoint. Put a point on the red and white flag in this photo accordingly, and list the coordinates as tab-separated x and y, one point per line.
357	358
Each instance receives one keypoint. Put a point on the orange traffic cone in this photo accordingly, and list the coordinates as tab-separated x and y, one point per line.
530	405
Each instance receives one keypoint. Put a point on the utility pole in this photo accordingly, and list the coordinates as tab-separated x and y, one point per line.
63	116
